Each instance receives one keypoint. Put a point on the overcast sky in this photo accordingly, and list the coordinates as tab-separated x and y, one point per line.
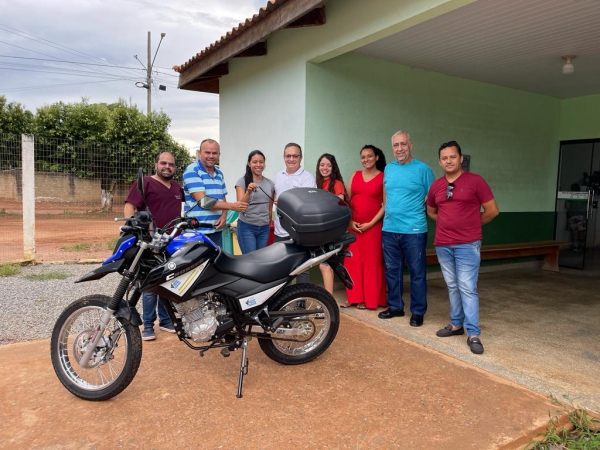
111	32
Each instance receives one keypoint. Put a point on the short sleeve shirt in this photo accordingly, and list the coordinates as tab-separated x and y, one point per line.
338	187
406	187
459	216
258	212
164	202
197	179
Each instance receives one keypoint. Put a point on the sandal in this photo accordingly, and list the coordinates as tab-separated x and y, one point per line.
353	305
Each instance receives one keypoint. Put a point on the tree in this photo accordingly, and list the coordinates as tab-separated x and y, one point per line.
105	141
14	121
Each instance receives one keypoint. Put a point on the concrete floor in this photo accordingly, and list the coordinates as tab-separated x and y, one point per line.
539	329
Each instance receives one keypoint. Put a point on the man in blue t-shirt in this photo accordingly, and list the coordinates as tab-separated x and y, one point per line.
203	178
406	182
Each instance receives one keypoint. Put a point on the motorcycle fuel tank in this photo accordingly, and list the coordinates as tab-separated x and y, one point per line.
182	269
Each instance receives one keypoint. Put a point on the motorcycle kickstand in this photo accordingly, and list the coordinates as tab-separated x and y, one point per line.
243	368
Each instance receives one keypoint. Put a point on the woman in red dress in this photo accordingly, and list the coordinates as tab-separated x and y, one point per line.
366	202
329	178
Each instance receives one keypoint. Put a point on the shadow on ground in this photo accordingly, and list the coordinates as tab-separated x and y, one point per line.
371	389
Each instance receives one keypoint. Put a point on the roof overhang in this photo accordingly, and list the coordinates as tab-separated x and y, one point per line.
249	39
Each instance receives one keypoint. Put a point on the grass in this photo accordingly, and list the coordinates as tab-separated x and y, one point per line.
8	270
47	276
80	247
86	246
111	243
581	433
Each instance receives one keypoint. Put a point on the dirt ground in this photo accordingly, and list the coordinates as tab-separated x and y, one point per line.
63	232
370	390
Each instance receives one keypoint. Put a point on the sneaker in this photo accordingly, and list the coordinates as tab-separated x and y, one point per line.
148	335
168	328
448	331
475	344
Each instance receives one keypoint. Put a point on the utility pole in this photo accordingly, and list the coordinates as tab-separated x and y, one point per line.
148	84
149	77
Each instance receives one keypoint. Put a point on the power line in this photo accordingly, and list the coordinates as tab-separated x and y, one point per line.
57	85
111	76
43	41
43	54
45	67
73	62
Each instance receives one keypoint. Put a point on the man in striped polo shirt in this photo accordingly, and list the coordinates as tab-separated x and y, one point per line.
202	178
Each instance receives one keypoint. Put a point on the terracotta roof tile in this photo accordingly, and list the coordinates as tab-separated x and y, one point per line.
243	26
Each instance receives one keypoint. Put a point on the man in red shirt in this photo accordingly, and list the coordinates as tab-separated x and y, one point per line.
455	201
164	197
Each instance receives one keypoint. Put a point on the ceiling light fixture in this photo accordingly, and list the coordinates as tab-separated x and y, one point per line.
568	67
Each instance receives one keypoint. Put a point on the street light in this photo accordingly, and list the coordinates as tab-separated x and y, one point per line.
148	84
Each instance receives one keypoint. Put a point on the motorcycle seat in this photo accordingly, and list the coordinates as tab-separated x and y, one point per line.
264	265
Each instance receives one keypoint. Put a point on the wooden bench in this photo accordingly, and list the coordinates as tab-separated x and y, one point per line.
549	249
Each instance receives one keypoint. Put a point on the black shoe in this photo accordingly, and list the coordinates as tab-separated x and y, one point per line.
475	345
416	320
448	331
389	313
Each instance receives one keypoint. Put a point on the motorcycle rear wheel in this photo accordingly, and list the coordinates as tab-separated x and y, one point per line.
113	364
317	330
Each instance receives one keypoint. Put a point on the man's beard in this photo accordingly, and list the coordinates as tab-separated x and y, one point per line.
165	178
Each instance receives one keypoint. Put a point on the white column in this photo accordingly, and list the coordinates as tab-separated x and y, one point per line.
27	167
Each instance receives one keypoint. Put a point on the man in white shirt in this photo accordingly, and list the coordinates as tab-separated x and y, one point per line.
292	177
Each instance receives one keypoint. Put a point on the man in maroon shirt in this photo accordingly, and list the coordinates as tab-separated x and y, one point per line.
164	197
455	201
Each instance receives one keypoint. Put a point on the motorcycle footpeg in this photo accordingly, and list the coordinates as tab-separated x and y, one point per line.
225	352
276	324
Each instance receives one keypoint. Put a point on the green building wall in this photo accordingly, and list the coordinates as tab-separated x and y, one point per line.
511	136
580	118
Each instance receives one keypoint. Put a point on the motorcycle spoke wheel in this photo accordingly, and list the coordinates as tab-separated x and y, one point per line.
315	332
114	361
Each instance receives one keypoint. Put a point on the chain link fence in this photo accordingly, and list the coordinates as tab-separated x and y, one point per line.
59	198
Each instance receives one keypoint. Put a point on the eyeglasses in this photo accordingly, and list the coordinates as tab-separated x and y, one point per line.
449	191
291	156
166	163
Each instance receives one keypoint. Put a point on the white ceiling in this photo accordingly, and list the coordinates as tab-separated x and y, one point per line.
513	43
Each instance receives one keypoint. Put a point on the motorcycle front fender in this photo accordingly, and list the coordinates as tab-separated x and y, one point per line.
128	313
101	271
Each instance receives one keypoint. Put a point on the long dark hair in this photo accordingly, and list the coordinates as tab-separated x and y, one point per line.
335	173
249	177
380	163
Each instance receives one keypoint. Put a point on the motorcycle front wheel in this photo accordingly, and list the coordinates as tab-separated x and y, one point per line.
115	359
312	333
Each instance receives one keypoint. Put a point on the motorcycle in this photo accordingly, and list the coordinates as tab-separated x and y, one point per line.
214	299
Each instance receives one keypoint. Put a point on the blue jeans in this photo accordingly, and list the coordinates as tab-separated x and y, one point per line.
460	267
149	302
398	247
252	237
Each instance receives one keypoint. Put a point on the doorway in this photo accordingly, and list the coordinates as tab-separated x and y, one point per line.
577	204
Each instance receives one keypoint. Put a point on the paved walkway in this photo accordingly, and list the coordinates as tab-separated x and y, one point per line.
371	389
539	329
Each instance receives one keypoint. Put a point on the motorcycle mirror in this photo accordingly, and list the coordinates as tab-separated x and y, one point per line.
207	202
140	182
140	187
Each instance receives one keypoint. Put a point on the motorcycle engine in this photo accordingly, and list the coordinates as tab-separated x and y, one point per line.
200	317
